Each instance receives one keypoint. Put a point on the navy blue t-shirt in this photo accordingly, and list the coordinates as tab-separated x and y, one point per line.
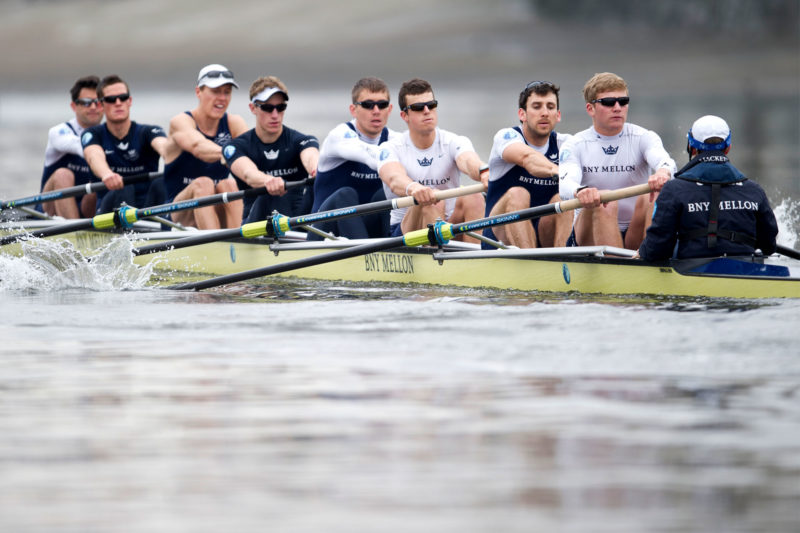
130	155
280	158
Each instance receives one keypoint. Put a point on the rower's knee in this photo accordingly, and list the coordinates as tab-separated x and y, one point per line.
62	178
517	198
202	186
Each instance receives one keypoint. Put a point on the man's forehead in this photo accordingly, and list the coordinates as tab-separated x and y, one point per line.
366	94
549	97
616	92
87	91
424	97
111	89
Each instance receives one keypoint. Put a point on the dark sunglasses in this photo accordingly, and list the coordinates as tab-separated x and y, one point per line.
269	108
114	97
217	74
609	101
420	106
537	83
86	102
370	104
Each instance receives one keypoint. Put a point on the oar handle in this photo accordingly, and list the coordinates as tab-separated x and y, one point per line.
408	201
608	196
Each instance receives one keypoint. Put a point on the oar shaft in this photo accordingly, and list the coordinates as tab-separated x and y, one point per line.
546	209
788	252
184	242
77	190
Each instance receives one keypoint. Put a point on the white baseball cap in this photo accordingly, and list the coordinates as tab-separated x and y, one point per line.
264	95
215	75
707	127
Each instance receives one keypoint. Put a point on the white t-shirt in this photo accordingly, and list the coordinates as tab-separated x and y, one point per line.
63	140
499	167
434	167
343	144
608	163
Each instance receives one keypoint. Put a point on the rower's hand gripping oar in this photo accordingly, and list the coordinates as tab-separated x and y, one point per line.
77	190
125	217
278	225
436	234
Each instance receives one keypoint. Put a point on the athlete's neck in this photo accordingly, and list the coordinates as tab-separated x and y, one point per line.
533	139
267	137
608	132
206	124
423	139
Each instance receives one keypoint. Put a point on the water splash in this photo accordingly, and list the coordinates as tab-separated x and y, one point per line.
48	265
788	216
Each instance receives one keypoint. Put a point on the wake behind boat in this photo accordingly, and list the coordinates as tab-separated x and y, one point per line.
586	270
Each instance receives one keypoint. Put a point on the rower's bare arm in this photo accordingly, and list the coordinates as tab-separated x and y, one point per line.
247	171
96	159
310	157
470	164
534	162
161	145
394	175
184	133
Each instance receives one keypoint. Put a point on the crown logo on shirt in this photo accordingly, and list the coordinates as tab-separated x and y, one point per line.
272	154
122	146
611	150
425	162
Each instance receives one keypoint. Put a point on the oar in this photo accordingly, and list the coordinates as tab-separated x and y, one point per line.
278	226
125	217
439	233
77	190
788	252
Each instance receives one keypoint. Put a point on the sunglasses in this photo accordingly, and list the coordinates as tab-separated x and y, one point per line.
609	101
537	83
370	104
420	106
114	97
217	74
269	108
86	102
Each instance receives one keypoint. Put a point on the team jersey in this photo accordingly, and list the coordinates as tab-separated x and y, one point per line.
348	158
504	175
594	160
133	154
434	167
280	159
64	150
183	169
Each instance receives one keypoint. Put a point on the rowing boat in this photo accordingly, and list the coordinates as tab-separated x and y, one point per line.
591	270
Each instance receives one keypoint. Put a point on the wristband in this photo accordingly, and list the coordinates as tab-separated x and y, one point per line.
483	169
410	183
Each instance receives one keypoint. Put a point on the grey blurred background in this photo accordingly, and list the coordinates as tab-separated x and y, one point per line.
682	59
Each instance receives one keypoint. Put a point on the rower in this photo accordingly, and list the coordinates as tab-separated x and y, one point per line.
271	154
523	171
347	174
425	158
122	147
64	165
711	209
611	154
192	165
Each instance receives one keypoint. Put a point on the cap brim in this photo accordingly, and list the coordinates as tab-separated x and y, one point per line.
213	83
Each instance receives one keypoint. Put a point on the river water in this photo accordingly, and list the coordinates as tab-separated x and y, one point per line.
310	406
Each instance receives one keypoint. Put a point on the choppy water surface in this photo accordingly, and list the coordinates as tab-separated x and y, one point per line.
299	406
